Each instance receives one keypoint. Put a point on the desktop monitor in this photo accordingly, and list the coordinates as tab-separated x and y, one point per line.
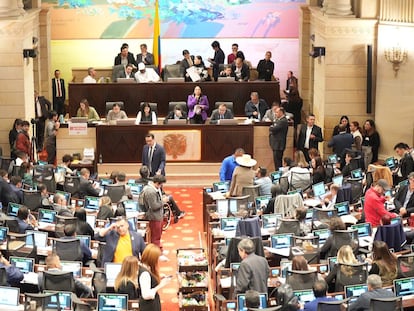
40	238
282	240
24	264
91	203
3	234
241	301
318	189
404	287
229	223
304	296
262	201
342	208
112	302
72	266
354	291
338	180
222	186
136	188
363	229
357	174
13	208
332	159
47	216
275	176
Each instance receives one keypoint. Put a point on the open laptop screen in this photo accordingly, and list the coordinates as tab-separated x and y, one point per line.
318	189
390	162
354	291
338	180
47	215
112	302
323	235
270	220
13	208
262	201
222	186
304	296
91	203
111	272
241	301
67	196
3	234
332	159
24	264
275	176
283	240
342	208
86	239
229	223
9	296
357	174
136	188
404	287
40	238
364	229
91	220
65	301
72	266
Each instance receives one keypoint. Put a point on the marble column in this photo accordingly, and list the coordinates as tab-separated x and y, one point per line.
11	8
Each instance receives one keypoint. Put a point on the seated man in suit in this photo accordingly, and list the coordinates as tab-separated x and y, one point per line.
221	113
404	198
85	186
240	70
126	73
176	114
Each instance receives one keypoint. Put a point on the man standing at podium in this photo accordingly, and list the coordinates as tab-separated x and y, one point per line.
153	156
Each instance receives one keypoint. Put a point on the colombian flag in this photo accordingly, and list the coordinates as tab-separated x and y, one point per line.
156	45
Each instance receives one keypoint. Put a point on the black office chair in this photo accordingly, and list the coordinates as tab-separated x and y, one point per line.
68	249
58	281
308	246
288	225
61	222
5	163
42	300
3	277
338	305
115	70
350	274
45	174
16	245
32	199
406	265
229	105
154	106
182	104
299	280
386	304
344	237
71	185
300	181
115	192
12	224
99	280
322	216
109	105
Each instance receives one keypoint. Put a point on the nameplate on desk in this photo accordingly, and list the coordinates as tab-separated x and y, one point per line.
78	129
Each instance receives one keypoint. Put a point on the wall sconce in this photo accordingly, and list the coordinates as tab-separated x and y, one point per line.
396	56
29	53
317	51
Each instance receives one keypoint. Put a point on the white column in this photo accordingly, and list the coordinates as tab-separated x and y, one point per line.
11	8
338	7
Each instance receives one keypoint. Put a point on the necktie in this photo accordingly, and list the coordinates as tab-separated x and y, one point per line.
58	88
150	153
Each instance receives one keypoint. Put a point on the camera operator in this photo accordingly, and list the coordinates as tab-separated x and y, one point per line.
42	108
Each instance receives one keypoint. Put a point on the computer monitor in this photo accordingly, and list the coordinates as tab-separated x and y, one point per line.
222	207
342	208
112	302
130	206
364	229
241	301
404	287
403	183
331	262
323	235
270	220
262	201
229	223
136	189
275	176
111	271
332	159
338	180
91	203
105	181
86	239
39	237
47	216
72	266
395	220
3	234
318	189
9	297
282	240
357	174
91	220
24	264
13	208
285	265
304	296
390	162
354	291
222	186
65	301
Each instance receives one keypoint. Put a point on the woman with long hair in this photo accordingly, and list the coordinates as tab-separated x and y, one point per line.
356	133
300	159
146	114
149	279
319	172
197	106
384	263
82	226
335	223
344	120
371	142
87	111
126	281
105	208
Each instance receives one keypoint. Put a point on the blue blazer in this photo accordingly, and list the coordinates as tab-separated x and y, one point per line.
158	159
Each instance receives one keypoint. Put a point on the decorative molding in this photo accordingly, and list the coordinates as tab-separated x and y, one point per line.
399	11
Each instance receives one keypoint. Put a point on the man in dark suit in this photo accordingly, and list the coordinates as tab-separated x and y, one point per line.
240	70
125	57
277	136
265	67
404	198
85	187
59	93
406	163
309	136
42	108
291	81
341	142
126	73
153	156
217	60
220	113
255	108
187	62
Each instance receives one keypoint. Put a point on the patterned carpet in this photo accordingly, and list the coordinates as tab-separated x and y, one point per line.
187	233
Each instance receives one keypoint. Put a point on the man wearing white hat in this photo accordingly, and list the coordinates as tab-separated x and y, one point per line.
145	75
243	175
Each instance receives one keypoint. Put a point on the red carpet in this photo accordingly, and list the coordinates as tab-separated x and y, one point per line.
187	233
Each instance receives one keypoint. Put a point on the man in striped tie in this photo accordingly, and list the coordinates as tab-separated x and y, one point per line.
59	93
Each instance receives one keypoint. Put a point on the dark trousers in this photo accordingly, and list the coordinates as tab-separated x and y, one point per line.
40	133
277	158
156	231
59	105
197	119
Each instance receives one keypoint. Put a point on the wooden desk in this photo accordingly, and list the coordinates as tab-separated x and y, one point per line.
162	93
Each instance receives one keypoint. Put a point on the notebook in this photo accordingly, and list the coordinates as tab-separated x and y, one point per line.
24	264
177	121
111	272
241	301
47	216
112	302
354	291
304	296
91	203
40	238
126	80
72	266
332	159
338	180
9	298
404	287
222	186
13	208
318	189
65	301
86	239
275	176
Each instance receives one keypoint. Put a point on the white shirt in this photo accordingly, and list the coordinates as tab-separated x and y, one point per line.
153	118
89	79
307	137
148	76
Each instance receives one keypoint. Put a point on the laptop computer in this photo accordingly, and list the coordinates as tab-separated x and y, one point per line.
79	120
77	203
357	174
270	220
112	302
342	208
323	235
65	301
67	196
136	188
111	270
338	180
91	203
129	121
12	208
9	298
262	201
86	239
318	189
40	238
354	291
3	234
226	79
275	176
24	264
282	240
222	186
126	80
175	80
285	265
304	296
222	207
404	287
91	220
390	162
241	301
229	223
403	183
177	121
332	159
228	122
72	266
47	216
105	181
364	229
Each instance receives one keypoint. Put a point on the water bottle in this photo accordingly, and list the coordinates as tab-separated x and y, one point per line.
61	119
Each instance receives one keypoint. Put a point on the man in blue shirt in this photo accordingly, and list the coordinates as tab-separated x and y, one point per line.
229	164
319	291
